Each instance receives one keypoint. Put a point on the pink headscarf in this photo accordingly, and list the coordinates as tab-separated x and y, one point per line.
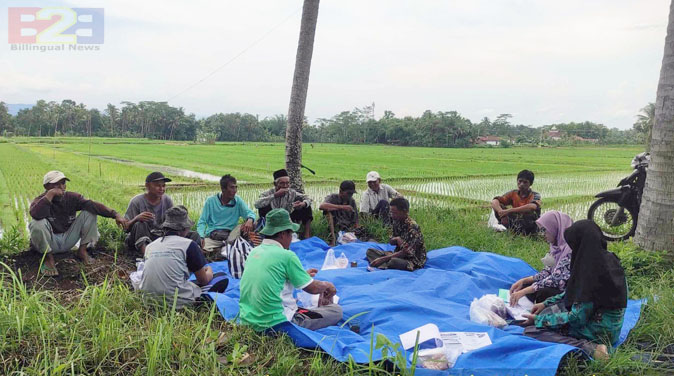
555	223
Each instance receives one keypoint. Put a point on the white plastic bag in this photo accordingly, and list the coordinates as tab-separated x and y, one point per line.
342	261
137	276
432	359
484	316
495	304
331	262
493	222
346	237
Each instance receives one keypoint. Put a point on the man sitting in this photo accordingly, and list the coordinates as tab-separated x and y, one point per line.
146	211
375	200
340	209
284	197
56	227
221	214
170	259
410	251
525	206
271	274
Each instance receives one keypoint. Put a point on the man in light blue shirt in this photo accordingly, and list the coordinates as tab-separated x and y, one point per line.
220	216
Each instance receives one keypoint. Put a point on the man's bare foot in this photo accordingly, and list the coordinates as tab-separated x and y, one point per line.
601	352
84	257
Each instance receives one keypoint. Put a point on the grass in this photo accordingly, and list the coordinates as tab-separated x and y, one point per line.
254	162
106	329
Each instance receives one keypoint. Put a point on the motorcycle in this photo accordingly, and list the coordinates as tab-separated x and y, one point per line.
617	210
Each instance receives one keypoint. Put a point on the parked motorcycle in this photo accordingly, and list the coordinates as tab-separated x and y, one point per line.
617	210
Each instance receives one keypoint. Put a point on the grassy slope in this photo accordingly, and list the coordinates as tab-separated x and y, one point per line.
107	330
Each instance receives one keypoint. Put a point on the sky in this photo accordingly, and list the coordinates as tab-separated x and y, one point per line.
542	61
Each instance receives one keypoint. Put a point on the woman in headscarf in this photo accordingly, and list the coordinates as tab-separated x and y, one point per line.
589	314
552	279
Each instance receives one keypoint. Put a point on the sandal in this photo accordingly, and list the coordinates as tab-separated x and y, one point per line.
48	271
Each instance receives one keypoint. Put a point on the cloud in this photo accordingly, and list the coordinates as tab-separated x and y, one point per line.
546	61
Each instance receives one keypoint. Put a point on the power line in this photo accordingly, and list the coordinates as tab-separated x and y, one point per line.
264	36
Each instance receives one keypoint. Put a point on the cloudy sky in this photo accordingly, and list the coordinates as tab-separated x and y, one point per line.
542	61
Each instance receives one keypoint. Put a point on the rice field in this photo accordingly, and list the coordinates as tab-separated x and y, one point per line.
102	327
113	170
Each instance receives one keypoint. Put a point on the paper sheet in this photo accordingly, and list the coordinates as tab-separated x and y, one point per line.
426	332
524	305
467	341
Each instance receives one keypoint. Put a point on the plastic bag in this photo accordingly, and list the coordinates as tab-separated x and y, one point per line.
137	276
432	359
305	299
495	304
493	222
346	237
342	261
331	262
484	316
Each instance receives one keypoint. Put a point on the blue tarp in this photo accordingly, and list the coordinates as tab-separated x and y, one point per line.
395	302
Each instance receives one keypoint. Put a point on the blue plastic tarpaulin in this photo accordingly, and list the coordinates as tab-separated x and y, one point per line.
392	302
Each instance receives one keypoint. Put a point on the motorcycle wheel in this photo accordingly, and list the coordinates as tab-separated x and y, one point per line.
613	227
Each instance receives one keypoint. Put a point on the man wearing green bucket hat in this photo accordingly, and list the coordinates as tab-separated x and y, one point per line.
272	273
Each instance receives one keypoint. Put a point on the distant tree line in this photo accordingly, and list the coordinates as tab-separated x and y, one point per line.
158	120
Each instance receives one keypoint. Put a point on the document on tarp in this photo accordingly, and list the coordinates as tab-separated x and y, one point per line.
467	341
524	305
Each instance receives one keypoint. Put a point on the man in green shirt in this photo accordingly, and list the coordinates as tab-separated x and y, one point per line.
220	217
272	273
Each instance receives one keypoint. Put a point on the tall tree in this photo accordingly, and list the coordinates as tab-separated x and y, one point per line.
298	93
644	123
655	230
113	113
5	118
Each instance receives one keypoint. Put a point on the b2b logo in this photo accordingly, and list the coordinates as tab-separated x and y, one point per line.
55	25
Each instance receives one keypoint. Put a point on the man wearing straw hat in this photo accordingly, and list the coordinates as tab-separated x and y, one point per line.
56	227
172	258
271	274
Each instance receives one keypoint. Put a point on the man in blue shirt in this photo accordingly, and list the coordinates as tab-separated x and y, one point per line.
220	216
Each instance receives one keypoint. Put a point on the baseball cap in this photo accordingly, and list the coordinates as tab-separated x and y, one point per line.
372	176
347	185
156	176
53	177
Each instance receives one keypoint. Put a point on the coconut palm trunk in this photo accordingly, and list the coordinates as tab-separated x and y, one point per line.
655	230
298	94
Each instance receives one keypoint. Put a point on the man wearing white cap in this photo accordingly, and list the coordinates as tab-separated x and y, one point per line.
375	201
56	227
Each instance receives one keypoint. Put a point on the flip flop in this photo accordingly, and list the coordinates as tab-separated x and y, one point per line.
48	271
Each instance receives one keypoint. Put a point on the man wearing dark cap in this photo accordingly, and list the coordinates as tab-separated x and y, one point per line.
340	208
284	197
56	227
146	213
172	258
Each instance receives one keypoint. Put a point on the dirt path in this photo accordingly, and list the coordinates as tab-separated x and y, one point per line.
73	274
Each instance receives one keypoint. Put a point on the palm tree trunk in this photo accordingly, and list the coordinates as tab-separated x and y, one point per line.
298	94
655	230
